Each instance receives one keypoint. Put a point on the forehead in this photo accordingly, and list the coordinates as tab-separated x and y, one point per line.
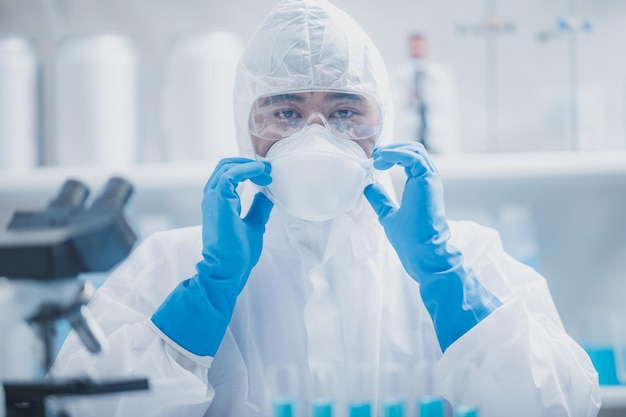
314	98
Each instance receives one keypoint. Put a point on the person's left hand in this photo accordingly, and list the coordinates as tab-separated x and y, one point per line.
419	225
419	232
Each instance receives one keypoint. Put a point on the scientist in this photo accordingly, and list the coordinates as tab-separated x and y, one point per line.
305	258
426	99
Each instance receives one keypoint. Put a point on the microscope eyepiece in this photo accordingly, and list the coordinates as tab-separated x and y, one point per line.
73	194
69	237
116	193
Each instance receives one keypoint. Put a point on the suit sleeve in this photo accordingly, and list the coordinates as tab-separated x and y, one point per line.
519	361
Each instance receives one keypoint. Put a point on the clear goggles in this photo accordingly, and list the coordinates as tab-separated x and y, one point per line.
346	115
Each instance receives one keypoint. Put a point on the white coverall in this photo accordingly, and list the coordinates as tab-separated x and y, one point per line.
332	293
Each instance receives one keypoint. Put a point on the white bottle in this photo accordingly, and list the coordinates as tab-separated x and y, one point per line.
197	96
96	101
19	95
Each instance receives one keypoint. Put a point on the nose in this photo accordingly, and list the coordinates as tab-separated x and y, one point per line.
318	119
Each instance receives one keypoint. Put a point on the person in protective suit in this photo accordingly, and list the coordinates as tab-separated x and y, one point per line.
305	260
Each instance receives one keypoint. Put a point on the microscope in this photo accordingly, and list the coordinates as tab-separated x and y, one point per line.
42	254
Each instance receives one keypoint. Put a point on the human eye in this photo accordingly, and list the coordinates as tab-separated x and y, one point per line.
285	115
343	114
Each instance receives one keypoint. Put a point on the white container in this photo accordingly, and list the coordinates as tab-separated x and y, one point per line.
197	96
96	101
19	95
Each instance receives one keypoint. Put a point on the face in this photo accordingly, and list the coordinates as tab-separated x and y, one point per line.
418	46
349	116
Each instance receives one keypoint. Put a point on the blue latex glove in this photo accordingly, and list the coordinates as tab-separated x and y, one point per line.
418	231
196	314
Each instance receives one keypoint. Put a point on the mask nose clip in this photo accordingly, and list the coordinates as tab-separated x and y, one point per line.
316	118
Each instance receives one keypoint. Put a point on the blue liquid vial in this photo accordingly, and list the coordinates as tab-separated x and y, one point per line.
360	410
465	411
430	406
393	409
321	409
284	408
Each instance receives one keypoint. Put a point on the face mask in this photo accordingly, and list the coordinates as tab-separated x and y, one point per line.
316	176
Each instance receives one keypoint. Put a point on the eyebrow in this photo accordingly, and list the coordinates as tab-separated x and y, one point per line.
299	98
281	98
344	96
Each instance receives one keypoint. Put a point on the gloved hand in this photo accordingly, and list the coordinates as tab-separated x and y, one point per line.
419	232
197	312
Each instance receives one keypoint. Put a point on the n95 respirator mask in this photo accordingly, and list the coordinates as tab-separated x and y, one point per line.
317	176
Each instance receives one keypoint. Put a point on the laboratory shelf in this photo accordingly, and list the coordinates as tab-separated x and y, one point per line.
531	165
491	177
483	171
151	175
462	167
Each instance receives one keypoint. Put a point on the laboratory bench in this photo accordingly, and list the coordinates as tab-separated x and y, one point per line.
613	401
570	207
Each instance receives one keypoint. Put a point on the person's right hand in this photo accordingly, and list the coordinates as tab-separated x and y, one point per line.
196	314
419	232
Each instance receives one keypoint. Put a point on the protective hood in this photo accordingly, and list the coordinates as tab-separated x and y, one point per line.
308	44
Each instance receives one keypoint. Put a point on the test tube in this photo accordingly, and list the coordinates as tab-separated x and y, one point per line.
325	386
283	388
430	406
284	408
618	333
423	378
393	409
321	409
360	409
465	411
361	389
594	335
393	389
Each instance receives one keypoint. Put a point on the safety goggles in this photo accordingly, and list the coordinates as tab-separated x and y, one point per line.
346	115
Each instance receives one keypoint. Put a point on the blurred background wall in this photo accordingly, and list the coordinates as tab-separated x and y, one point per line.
528	75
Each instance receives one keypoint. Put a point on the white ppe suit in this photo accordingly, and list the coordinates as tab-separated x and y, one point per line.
332	293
